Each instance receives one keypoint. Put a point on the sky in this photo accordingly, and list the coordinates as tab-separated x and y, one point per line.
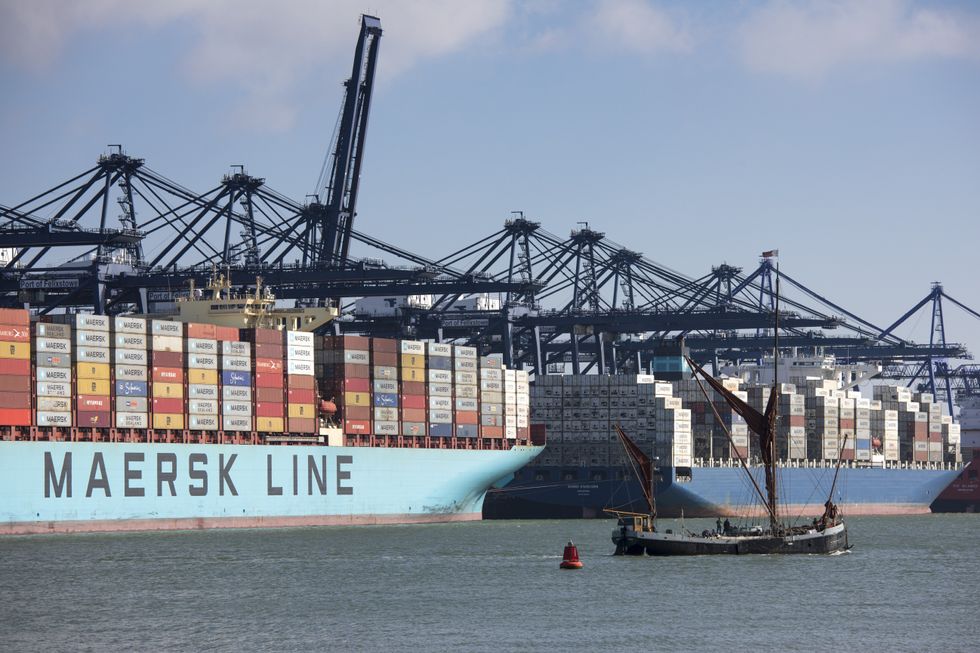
845	134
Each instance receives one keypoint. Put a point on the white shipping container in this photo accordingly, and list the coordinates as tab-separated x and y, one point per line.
521	421
202	406
235	348
92	322
385	414
93	355
440	389
492	386
441	416
412	347
92	339
467	391
461	351
136	357
236	393
385	386
300	339
53	404
439	349
236	363
136	341
53	389
466	378
510	432
205	391
357	357
464	404
123	324
132	420
237	408
202	422
54	374
53	419
202	361
53	345
166	328
386	427
167	343
510	420
238	424
440	403
440	376
491	374
296	352
303	368
201	346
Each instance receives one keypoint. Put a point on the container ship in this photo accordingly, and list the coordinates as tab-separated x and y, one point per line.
897	449
132	423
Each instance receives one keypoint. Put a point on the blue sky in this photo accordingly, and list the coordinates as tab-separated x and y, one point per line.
844	134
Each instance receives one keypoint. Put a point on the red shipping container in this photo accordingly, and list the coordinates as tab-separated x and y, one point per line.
270	395
268	409
347	342
94	419
14	333
166	359
413	401
95	403
539	434
300	381
388	345
357	412
413	414
15	400
467	417
165	405
492	431
197	330
15	367
356	385
226	333
15	384
301	425
268	380
268	336
266	350
15	417
384	359
413	388
269	365
15	316
300	396
168	375
360	426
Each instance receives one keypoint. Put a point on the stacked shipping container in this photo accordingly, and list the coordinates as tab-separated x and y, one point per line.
300	383
130	372
54	391
15	369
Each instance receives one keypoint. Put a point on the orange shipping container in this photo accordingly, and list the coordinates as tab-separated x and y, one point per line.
168	374
15	316
15	416
197	330
14	333
302	425
15	367
93	402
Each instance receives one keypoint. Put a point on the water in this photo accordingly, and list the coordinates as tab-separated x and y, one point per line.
910	584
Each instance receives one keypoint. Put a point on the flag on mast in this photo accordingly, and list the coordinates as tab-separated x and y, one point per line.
771	253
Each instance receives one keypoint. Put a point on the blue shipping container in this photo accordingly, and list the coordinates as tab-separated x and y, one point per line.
232	377
467	431
440	363
385	399
130	388
441	430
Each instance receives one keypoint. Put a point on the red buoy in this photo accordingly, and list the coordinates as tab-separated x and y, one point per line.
569	559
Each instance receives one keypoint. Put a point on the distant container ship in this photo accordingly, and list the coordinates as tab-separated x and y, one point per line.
122	423
898	450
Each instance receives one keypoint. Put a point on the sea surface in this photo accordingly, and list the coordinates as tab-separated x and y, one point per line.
909	584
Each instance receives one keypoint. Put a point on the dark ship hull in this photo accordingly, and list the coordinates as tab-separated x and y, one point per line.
629	541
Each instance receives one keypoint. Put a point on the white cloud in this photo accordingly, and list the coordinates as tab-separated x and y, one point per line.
809	38
262	47
639	26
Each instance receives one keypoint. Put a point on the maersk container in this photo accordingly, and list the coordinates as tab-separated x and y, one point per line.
236	423
236	363
53	345
386	415
134	420
236	348
299	353
53	419
439	350
385	386
92	339
441	416
386	427
54	374
236	393
54	404
202	407
59	331
440	376
166	328
440	390
301	367
131	357
202	422
467	391
135	325
202	361
466	378
135	341
93	355
236	408
201	346
204	391
463	404
440	403
299	338
53	389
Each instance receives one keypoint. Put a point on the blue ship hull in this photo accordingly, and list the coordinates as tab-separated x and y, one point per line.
548	492
83	486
